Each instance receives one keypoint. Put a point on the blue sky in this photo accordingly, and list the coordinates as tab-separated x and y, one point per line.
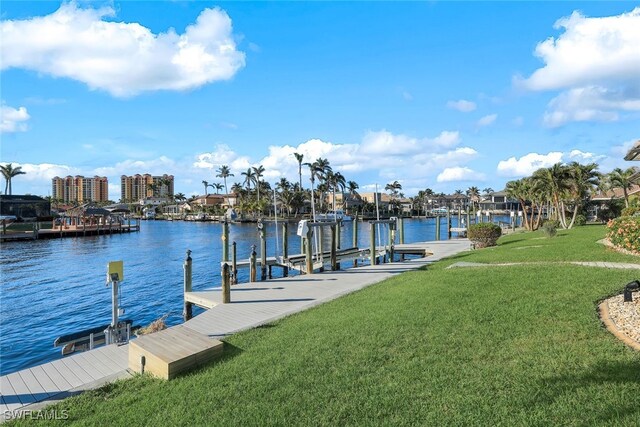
443	95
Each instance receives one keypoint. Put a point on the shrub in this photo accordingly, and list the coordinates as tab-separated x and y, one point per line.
624	233
484	234
631	211
580	220
550	228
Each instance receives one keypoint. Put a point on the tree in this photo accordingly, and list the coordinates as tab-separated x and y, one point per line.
180	197
474	196
519	190
217	186
352	188
299	158
249	178
8	172
224	172
258	171
582	181
555	182
619	178
206	186
394	187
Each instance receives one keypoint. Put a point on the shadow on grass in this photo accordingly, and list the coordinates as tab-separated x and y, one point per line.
606	375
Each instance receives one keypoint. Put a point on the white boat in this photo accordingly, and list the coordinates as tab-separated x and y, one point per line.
336	215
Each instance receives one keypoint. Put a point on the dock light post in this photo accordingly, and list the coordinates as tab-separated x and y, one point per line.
631	287
234	264
252	264
285	247
225	241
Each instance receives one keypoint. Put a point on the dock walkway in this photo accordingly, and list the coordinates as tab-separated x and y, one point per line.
253	304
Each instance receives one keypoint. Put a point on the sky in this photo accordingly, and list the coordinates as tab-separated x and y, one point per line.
440	95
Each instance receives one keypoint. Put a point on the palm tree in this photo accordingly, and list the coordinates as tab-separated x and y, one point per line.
224	172
258	171
249	177
352	188
583	179
217	186
520	189
299	158
555	182
394	187
618	178
206	186
180	197
474	196
8	171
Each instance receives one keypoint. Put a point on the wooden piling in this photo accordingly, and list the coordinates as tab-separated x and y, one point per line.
225	241
401	226
309	251
285	247
448	224
321	248
263	252
392	239
334	259
234	264
187	310
437	226
372	243
226	284
354	238
252	264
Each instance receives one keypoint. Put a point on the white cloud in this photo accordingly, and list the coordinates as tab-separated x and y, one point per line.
487	120
583	157
457	173
588	104
597	62
447	139
13	120
462	105
528	164
44	171
121	58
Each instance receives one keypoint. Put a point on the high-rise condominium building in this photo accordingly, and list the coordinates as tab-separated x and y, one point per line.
80	189
138	187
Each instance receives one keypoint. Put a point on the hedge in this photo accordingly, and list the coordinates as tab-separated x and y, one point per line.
484	234
624	232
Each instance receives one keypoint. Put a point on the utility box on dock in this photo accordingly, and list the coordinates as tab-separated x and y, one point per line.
169	353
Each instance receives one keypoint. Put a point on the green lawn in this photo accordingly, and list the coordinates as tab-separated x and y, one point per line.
517	345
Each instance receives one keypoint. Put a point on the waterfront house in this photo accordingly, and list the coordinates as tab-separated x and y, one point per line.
499	202
25	207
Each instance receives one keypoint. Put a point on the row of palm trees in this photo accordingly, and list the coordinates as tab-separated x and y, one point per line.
563	190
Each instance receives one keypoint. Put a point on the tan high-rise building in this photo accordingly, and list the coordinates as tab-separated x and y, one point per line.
80	189
136	187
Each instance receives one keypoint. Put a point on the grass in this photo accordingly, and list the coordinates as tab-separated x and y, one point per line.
517	345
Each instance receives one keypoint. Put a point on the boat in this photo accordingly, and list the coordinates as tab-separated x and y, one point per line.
337	215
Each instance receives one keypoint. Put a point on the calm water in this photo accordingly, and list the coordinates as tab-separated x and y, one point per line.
55	287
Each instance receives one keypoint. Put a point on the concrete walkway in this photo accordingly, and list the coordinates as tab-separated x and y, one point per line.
600	264
253	304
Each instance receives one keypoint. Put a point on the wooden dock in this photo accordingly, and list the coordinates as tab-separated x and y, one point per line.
252	305
68	231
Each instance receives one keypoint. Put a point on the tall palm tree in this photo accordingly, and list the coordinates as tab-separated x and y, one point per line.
224	172
249	177
206	186
258	171
619	178
299	157
519	190
8	172
319	169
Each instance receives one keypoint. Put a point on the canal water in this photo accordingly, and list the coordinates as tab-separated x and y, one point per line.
54	287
